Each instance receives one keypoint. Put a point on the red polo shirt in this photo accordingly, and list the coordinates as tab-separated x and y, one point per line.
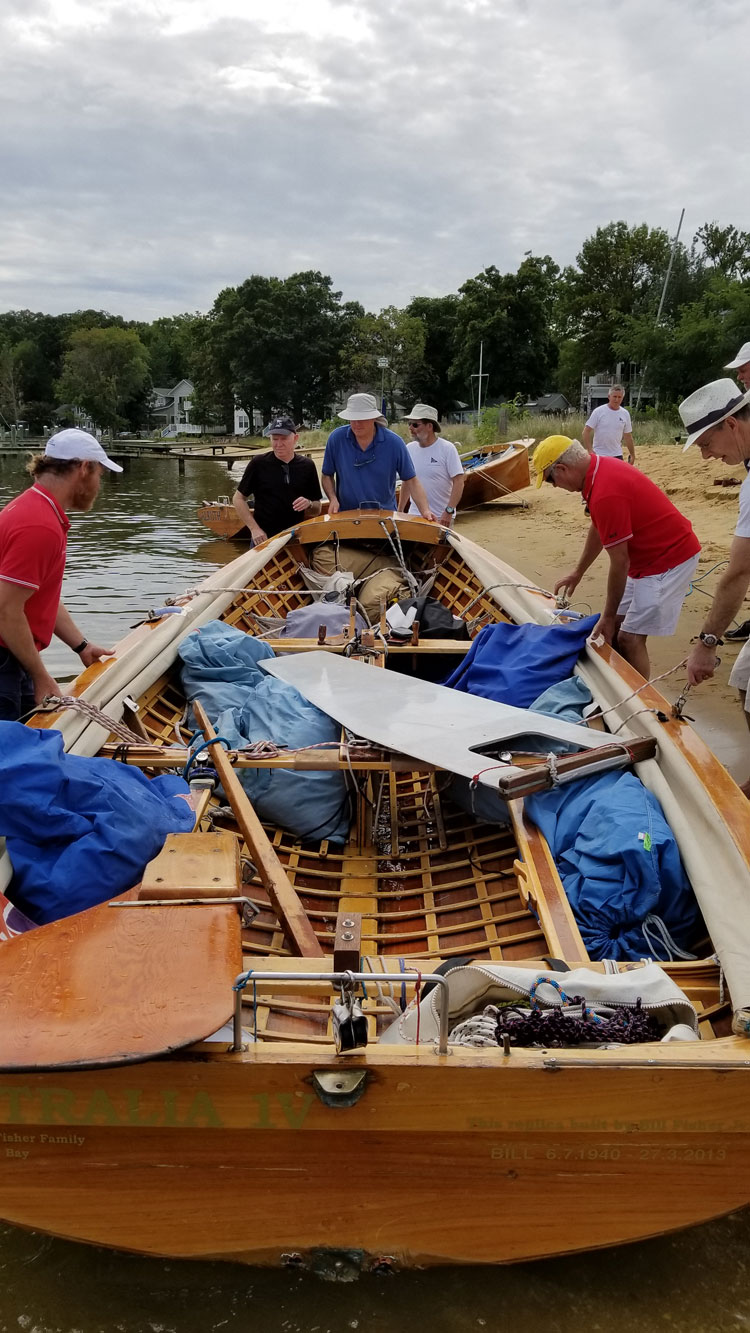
626	507
33	540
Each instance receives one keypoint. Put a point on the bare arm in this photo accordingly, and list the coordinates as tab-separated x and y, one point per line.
415	491
248	518
330	490
587	437
730	590
619	563
591	549
627	440
17	637
67	630
307	507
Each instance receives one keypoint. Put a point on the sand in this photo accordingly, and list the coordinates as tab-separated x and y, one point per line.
541	533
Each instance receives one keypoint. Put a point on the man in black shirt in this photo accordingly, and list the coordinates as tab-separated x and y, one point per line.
285	486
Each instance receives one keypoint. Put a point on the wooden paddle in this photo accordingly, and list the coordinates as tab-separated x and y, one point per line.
285	900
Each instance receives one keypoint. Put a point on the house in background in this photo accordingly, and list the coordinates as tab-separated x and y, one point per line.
171	410
595	388
551	405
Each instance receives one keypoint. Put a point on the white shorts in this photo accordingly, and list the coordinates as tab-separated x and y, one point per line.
739	676
652	605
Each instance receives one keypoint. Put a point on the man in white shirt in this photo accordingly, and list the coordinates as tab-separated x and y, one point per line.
436	463
717	418
610	425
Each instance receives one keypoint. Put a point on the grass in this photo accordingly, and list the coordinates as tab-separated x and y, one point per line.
659	430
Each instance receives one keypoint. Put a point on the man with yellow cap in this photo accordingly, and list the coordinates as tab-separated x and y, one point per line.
652	549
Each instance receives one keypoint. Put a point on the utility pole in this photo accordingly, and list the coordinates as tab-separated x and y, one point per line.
479	377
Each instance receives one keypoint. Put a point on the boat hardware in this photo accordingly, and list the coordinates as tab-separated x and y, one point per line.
348	1022
248	978
248	908
339	1089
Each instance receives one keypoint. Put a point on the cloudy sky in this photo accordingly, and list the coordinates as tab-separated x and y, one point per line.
155	151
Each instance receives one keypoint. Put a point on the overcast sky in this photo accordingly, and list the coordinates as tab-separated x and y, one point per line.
156	151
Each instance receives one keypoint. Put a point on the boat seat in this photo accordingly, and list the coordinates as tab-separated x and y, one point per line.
123	982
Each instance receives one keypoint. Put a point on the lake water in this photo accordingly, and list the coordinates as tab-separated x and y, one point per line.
141	543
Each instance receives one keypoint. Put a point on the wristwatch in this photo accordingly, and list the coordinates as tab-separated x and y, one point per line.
710	640
449	509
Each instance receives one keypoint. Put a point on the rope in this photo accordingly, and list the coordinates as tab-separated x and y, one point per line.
53	703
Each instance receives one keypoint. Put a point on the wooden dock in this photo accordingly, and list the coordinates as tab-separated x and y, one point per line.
122	450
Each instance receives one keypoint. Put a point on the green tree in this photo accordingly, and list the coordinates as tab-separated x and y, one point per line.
725	250
105	371
274	343
386	350
168	344
435	381
618	276
512	316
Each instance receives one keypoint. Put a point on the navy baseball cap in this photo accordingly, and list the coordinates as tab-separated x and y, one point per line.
281	426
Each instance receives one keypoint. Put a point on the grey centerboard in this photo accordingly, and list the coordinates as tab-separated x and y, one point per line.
428	722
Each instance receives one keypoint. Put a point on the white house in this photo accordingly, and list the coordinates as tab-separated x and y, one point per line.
171	409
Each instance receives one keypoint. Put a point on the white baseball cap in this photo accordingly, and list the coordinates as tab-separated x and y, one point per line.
741	359
78	444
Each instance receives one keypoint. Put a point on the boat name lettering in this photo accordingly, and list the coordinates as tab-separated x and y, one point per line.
165	1108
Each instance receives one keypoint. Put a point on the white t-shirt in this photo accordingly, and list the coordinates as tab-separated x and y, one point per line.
743	522
609	427
436	466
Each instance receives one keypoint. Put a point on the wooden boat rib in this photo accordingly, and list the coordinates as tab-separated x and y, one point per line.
290	1149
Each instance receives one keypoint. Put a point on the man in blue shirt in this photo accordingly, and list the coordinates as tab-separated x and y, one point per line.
363	459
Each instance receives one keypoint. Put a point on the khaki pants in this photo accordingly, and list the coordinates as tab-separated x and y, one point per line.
386	585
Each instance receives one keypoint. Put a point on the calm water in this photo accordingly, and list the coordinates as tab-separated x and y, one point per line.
141	543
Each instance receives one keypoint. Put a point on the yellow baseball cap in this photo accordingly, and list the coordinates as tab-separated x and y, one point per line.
548	453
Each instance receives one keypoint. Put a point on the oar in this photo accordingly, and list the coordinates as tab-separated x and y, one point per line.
286	903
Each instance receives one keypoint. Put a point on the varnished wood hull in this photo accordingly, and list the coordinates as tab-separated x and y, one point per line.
500	475
236	1157
475	1156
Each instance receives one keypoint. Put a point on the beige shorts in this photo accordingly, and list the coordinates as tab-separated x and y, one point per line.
739	676
652	605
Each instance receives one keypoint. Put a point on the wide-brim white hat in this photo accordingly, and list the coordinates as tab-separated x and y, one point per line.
710	405
361	407
741	359
422	412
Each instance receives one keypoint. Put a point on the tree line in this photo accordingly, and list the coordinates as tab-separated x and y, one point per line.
292	343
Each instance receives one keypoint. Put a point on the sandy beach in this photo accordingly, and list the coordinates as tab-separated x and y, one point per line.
542	531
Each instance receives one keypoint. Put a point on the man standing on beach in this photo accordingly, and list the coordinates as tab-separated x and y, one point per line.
610	425
363	459
436	463
284	485
33	540
652	549
717	419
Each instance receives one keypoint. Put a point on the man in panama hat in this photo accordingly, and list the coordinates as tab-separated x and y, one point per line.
436	462
717	419
652	549
363	459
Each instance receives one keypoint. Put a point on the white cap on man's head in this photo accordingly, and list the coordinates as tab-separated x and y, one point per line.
74	443
741	359
710	405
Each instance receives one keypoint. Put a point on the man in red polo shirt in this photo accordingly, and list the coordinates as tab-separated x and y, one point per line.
652	549
33	538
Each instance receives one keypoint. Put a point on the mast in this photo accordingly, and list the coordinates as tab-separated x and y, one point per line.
661	302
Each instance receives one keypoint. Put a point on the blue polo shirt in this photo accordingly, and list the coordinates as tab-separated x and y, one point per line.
366	478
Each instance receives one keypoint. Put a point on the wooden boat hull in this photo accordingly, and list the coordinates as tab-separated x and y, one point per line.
222	519
503	473
266	1154
237	1158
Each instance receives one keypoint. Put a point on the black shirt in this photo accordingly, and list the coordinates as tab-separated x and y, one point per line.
275	485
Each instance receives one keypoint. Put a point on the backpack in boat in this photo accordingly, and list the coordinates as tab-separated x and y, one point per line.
435	620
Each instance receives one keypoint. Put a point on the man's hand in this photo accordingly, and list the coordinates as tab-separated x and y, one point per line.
333	505
258	535
93	653
301	503
604	629
569	582
631	459
45	684
446	519
701	664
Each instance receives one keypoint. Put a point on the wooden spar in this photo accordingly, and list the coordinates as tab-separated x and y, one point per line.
286	903
585	763
310	760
